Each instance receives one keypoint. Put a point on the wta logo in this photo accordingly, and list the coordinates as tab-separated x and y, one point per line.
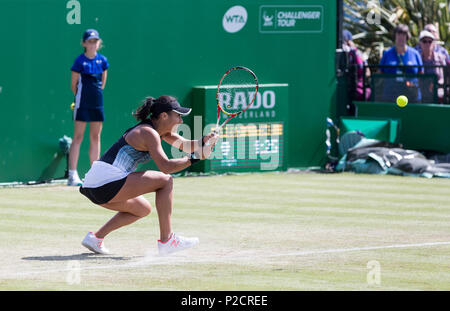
234	19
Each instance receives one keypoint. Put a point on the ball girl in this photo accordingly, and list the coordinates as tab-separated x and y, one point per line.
89	72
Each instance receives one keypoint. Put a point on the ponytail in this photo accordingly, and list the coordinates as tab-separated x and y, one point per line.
144	110
153	107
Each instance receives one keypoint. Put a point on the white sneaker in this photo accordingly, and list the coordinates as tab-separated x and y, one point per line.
94	244
176	243
74	181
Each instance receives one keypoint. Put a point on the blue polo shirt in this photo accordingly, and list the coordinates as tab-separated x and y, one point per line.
410	58
90	93
400	85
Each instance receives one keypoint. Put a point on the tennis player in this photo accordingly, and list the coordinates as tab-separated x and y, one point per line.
113	183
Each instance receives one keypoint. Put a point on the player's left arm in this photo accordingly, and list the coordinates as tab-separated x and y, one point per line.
180	142
184	144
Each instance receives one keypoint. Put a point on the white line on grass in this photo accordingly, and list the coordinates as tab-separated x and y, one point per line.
153	259
368	248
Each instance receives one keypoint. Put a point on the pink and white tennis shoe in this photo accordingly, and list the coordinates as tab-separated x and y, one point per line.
176	243
94	244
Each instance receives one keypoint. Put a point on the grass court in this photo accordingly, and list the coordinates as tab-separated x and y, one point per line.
262	231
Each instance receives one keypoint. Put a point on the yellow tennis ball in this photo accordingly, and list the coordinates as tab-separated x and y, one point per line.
72	106
402	101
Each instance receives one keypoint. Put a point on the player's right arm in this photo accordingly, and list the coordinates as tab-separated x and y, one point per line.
74	82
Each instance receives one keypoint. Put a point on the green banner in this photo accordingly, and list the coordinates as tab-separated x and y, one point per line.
159	48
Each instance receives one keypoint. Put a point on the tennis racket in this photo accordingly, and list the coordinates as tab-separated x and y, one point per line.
236	92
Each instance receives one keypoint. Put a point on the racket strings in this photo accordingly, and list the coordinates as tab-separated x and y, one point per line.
237	91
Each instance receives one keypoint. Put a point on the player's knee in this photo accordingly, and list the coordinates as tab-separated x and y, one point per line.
168	181
165	179
143	207
142	212
145	210
157	180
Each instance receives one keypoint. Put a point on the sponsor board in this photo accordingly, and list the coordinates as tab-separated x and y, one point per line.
290	18
255	139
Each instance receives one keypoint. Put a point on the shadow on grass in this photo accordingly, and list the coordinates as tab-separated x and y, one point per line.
83	256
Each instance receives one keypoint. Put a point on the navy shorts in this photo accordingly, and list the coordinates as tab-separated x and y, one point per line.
105	193
90	115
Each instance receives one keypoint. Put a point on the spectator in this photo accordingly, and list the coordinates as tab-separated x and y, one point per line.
400	55
434	30
356	67
437	47
431	57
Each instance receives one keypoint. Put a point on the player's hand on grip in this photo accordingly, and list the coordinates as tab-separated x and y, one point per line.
211	139
206	151
206	145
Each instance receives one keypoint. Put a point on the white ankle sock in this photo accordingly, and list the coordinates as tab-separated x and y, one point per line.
73	174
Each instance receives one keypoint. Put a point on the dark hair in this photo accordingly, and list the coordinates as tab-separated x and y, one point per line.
402	28
148	107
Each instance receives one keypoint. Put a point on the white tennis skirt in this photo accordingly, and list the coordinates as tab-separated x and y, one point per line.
102	173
